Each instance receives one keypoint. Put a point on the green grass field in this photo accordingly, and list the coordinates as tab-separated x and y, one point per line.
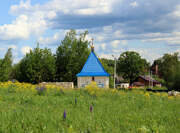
113	112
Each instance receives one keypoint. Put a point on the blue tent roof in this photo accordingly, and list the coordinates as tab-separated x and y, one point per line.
92	67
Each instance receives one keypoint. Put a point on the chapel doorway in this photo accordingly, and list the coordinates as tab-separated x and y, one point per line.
92	78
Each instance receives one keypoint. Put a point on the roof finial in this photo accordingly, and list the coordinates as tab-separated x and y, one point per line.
92	45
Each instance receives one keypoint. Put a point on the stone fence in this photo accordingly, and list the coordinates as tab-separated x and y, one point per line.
69	85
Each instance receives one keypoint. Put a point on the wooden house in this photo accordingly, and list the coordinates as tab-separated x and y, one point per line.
146	81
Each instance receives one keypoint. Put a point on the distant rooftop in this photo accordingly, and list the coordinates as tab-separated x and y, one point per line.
147	78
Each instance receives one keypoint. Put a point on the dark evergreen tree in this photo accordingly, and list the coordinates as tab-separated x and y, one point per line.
6	66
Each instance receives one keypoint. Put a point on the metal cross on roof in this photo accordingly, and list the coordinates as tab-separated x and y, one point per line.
92	41
92	45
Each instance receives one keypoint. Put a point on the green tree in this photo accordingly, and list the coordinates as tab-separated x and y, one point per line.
37	66
71	55
16	72
169	69
108	65
6	66
176	85
131	65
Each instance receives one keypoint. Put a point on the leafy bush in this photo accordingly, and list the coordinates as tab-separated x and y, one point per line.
93	89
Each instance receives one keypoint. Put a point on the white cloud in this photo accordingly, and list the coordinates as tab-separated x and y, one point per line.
50	40
30	21
33	20
150	54
92	11
82	7
2	49
118	33
58	36
115	43
25	49
107	29
134	4
88	37
13	47
108	56
14	9
23	27
96	47
176	13
172	38
18	29
124	42
99	38
51	14
103	46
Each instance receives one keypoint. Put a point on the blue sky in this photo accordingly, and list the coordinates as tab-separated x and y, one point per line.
151	27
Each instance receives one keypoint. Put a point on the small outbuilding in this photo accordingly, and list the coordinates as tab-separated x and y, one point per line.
123	85
93	71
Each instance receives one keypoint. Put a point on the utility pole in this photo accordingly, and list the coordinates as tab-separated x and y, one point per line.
114	71
152	79
149	78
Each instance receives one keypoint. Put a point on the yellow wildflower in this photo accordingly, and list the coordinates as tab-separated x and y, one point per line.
170	97
147	94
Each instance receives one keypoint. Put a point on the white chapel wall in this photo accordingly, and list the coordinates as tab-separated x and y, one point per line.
82	81
102	80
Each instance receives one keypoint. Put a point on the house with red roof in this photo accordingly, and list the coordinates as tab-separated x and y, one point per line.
146	81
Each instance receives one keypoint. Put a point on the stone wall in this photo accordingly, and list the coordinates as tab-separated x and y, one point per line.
62	84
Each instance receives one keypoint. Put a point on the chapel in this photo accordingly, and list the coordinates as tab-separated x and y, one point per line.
93	71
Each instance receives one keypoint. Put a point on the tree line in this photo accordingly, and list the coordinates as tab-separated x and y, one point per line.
41	65
169	70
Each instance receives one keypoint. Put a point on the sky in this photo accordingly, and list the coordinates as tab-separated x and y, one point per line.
149	27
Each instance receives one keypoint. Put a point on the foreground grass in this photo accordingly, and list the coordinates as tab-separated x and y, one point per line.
113	111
